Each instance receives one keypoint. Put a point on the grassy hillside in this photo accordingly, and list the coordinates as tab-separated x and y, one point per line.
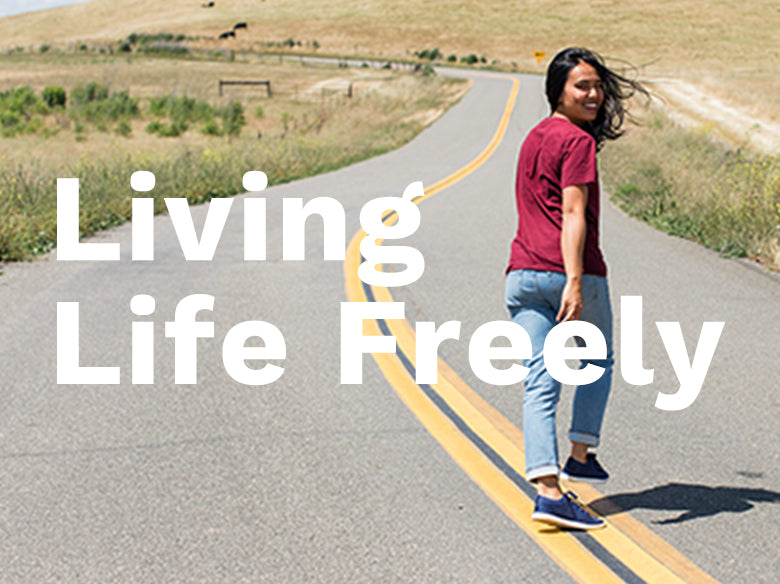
727	48
714	60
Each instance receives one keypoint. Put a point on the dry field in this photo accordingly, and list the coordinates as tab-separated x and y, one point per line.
320	117
723	48
303	95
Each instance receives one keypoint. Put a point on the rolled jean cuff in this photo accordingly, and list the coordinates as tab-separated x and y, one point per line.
542	471
584	437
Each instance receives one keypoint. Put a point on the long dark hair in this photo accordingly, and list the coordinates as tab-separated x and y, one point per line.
617	89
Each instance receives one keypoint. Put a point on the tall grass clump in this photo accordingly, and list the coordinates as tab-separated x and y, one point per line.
21	111
179	112
685	183
92	103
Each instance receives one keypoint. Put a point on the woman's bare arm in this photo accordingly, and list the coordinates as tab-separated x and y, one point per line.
575	200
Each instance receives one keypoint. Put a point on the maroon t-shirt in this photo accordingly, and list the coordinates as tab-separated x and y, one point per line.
555	154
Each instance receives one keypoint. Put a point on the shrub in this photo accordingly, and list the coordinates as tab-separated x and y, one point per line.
181	108
83	94
170	130
211	128
123	128
20	111
92	103
22	101
9	121
430	54
470	60
181	112
232	118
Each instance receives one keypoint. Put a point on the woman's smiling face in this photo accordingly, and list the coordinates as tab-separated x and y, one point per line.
582	95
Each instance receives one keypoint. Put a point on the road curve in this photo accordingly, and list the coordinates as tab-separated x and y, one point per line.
309	480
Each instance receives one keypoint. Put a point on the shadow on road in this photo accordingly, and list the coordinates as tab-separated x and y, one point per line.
694	501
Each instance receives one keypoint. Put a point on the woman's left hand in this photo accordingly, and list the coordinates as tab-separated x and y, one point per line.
571	301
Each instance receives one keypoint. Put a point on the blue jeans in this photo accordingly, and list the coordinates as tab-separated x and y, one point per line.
533	299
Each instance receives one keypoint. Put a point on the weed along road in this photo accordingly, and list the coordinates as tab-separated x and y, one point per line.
174	467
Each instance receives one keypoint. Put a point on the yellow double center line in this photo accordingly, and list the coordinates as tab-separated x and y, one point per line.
490	448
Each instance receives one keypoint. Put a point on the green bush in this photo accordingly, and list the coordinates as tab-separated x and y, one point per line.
232	118
430	54
54	96
470	60
91	92
20	111
146	39
172	129
22	101
92	103
211	128
159	43
180	112
123	128
9	121
181	108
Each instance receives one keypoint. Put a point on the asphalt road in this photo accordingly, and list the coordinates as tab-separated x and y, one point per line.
309	480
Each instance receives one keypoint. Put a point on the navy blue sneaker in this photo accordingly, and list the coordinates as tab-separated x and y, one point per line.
589	472
564	512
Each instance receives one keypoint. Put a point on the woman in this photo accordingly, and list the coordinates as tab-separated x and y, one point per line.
556	271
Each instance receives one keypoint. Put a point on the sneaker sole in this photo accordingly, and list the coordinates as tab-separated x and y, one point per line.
562	522
589	480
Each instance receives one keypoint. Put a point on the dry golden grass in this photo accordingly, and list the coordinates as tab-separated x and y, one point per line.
724	47
302	95
310	125
687	184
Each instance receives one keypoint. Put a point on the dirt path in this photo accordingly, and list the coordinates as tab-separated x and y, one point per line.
692	106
